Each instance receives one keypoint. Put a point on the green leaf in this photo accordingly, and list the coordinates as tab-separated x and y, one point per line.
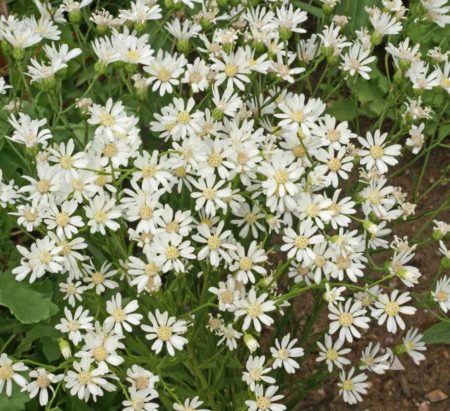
355	9
343	109
438	333
36	333
14	403
313	10
26	304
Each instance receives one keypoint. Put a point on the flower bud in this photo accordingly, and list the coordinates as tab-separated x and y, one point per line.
376	38
75	17
217	114
251	342
64	346
18	53
285	33
183	45
445	262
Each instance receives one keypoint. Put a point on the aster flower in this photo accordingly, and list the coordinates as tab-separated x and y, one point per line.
284	353
254	308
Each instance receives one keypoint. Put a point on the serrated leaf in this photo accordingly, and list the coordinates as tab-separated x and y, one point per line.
438	333
26	304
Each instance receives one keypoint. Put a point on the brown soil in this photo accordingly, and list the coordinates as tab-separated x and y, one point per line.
408	389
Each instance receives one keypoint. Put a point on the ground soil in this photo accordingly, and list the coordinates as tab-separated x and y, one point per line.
408	389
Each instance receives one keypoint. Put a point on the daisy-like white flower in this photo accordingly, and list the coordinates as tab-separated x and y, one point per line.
171	251
101	212
122	317
9	373
190	404
217	246
284	353
248	262
357	60
388	309
41	384
376	154
233	69
266	399
351	387
72	324
229	336
384	24
336	165
85	380
210	195
441	293
333	353
256	373
141	400
181	120
299	245
28	132
166	331
62	219
371	361
141	379
73	291
100	279
254	308
413	345
348	318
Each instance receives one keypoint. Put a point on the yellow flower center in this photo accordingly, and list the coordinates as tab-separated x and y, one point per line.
172	253
263	403
62	219
43	186
6	372
149	171
255	374
281	176
98	278
100	354
133	56
227	297
141	382
73	325
376	152
209	193
299	151
164	333
283	353
231	70
146	212
342	262
107	120
100	216
346	319
392	308
119	315
110	150
312	210
164	75
45	257
347	385
245	263
151	269
66	162
333	135
301	242
254	310
441	296
183	117
42	381
173	227
332	354
84	378
250	218
297	116
214	242
334	164
215	160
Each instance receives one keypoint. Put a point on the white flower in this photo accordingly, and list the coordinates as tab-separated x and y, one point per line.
41	383
385	24
210	195
441	293
413	344
100	279
170	250
298	245
122	317
27	131
141	400
246	263
254	308
351	387
86	381
357	60
255	372
370	361
190	404
233	69
73	323
10	372
332	353
73	291
141	379
285	352
230	336
348	319
101	212
62	219
375	153
390	308
166	331
265	399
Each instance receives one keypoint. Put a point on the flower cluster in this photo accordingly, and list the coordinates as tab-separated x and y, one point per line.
201	181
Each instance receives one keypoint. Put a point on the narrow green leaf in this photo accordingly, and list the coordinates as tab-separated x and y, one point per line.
438	333
313	10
